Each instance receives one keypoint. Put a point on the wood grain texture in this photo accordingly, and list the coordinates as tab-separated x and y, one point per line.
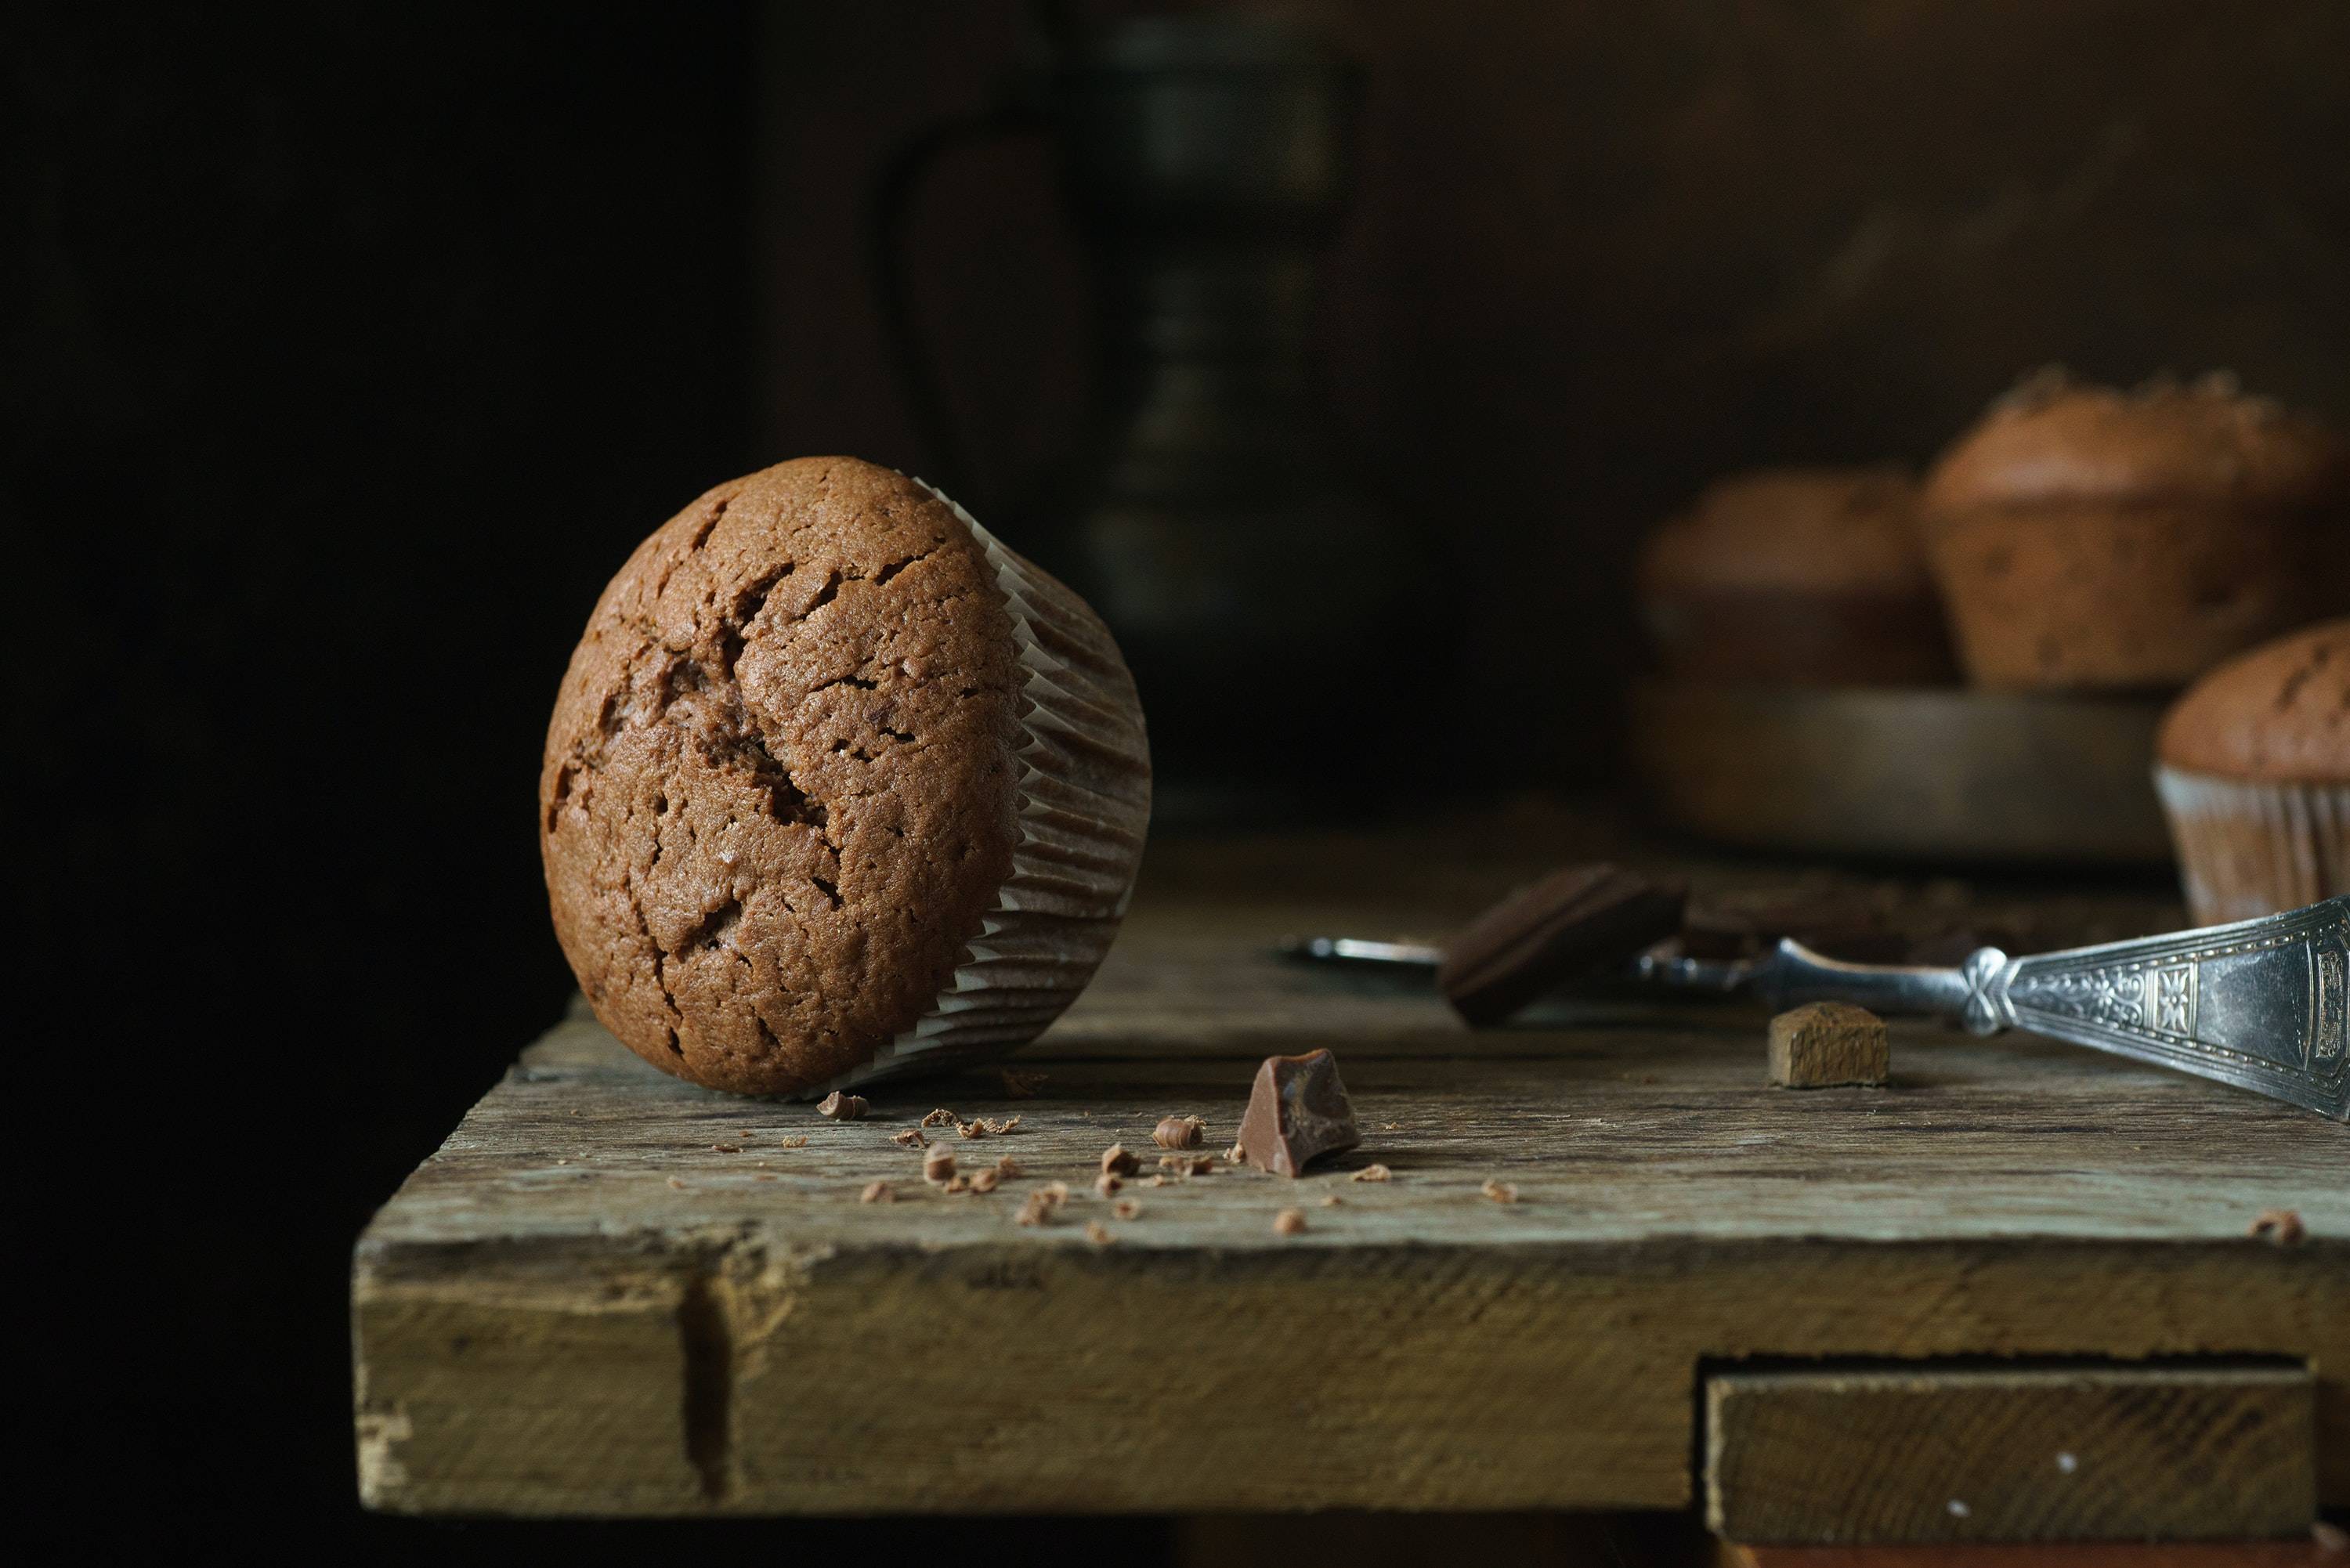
611	1292
2202	1452
2302	1554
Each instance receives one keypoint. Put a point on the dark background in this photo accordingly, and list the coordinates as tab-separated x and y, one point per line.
344	352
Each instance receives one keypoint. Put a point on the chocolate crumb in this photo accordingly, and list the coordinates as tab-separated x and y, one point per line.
842	1108
1107	1184
939	1118
1331	1201
939	1163
1006	1167
1374	1173
1126	1208
799	1142
2281	1226
1236	1155
985	1126
1157	1178
1179	1132
958	1183
1500	1191
1289	1222
909	1137
726	1149
1098	1233
1116	1160
983	1180
878	1192
1041	1206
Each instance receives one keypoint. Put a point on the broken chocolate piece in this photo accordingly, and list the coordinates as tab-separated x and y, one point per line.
1824	1045
1120	1160
1297	1112
1574	923
842	1108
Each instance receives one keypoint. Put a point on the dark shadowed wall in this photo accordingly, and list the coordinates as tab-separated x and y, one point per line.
1602	253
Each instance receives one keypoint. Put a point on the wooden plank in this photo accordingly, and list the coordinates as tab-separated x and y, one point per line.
1877	1456
2302	1554
687	1315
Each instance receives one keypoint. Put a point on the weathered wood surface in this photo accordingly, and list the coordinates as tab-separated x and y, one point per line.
611	1292
2303	1554
2213	1451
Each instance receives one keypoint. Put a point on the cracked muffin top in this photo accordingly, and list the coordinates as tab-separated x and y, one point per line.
779	790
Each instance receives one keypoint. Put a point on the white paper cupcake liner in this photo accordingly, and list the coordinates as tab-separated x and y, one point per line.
1084	804
2248	849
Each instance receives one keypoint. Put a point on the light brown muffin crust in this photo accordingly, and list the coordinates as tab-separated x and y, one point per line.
778	794
2092	539
2053	439
1805	530
1812	576
2279	714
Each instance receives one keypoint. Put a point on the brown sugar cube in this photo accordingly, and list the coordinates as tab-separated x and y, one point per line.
1297	1112
1822	1045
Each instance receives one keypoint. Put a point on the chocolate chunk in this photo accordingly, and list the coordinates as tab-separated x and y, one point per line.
1297	1112
1579	921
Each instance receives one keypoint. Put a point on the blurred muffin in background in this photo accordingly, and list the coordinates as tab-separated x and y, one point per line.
2254	776
1796	577
2092	539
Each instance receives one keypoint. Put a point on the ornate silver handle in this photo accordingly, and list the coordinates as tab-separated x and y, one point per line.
2260	1004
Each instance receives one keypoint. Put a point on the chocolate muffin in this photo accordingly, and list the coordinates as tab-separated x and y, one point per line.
2255	777
836	788
2086	538
1797	576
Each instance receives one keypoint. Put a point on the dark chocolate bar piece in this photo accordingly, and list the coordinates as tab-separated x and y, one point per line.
1578	921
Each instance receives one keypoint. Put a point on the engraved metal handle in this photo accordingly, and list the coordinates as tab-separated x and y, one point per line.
2260	1004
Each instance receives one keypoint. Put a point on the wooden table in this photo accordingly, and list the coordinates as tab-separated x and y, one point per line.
612	1294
